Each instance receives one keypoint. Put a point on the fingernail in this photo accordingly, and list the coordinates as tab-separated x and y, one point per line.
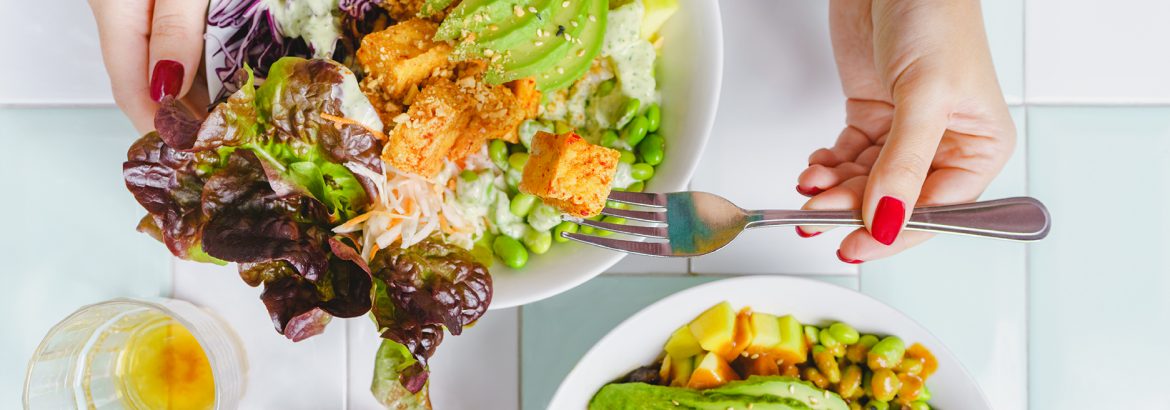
167	79
810	192
847	260
803	234
887	219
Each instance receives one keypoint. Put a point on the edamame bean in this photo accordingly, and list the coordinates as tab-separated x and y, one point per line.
810	335
844	333
919	405
608	138
628	111
827	339
562	127
641	171
910	365
498	152
925	395
887	353
469	175
612	220
827	364
652	149
635	131
627	156
537	242
636	187
606	87
885	385
868	340
517	160
653	117
522	204
877	405
850	386
510	251
564	227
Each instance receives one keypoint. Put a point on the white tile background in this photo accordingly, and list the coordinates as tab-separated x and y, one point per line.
780	99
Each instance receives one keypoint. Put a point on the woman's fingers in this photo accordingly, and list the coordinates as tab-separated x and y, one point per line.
846	195
123	29
819	178
859	246
176	46
903	164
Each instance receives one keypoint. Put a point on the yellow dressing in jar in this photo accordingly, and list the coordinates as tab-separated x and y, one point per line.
164	367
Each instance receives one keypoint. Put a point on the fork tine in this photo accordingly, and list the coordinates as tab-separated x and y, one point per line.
658	232
647	216
641	248
638	198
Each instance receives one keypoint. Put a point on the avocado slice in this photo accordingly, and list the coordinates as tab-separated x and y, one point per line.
528	60
505	32
682	343
650	397
463	17
784	387
580	56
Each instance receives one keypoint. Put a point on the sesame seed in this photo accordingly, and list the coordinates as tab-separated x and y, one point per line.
674	402
791	389
568	37
478	18
744	354
493	27
489	52
574	23
581	53
592	18
755	356
560	70
812	400
518	11
826	394
539	32
531	9
539	43
565	3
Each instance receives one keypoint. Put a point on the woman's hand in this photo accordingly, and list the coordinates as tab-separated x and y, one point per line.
152	49
926	123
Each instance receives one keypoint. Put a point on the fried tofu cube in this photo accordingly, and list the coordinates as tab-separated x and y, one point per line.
527	96
420	141
497	116
400	57
569	173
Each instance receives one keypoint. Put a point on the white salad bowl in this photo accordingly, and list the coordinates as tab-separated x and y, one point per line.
690	71
638	341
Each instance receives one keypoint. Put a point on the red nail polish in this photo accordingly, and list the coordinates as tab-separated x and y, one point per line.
847	260
167	79
810	192
888	219
803	234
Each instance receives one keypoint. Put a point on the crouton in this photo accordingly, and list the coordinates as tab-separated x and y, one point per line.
396	60
569	173
423	137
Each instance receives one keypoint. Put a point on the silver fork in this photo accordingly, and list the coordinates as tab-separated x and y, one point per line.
683	224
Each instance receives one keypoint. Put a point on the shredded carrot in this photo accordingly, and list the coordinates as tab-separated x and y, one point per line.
339	121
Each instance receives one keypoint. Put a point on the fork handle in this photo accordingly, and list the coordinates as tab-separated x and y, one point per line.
1018	219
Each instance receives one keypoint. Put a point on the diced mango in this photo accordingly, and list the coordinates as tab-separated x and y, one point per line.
682	369
743	334
712	371
792	347
683	343
666	370
715	329
765	333
762	365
